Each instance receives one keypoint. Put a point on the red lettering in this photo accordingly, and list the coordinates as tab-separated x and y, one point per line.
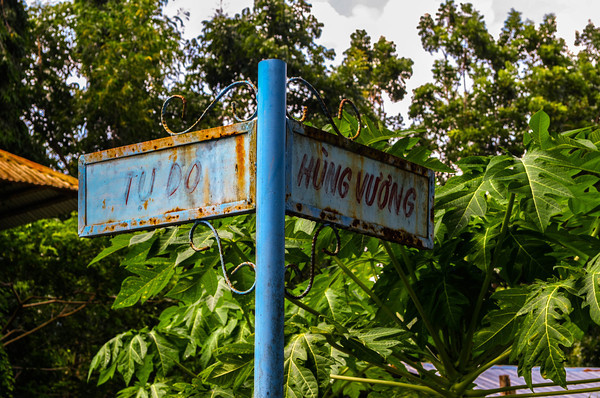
142	181
305	170
360	188
344	186
128	189
384	185
331	179
395	198
174	179
411	205
369	200
318	182
194	183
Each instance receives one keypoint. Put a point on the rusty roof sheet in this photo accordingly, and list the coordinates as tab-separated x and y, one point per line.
16	169
30	191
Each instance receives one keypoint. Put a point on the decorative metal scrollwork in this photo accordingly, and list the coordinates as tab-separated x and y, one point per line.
236	269
313	256
208	108
325	109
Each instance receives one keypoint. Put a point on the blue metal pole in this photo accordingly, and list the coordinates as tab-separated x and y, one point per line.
270	239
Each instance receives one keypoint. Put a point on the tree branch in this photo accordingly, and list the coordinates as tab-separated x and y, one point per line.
62	314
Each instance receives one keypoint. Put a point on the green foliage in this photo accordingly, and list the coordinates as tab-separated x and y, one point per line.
55	310
502	283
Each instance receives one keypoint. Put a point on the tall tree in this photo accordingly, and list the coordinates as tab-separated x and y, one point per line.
371	71
15	44
230	48
127	51
99	71
483	87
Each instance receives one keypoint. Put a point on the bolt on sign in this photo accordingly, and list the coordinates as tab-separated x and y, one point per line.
172	180
335	180
211	173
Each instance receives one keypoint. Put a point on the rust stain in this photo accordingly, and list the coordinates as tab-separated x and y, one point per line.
169	142
177	209
206	187
240	152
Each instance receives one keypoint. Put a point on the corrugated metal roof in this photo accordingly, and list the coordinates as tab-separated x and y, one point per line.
491	379
30	191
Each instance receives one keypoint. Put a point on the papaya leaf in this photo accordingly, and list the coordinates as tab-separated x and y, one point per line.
464	197
108	353
150	279
591	288
136	239
530	254
232	373
158	390
135	352
168	354
543	331
451	303
190	287
380	341
299	381
539	124
500	324
482	244
117	243
542	182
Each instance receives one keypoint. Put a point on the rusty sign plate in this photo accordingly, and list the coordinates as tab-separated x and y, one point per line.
332	179
181	178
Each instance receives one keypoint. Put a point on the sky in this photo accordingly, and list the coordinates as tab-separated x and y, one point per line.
397	20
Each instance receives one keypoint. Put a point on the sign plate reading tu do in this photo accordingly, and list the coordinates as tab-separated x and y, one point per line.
172	180
211	173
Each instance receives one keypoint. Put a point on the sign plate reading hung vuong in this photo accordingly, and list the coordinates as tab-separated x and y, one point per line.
332	179
181	178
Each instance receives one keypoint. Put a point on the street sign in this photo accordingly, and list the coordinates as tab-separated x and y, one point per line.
273	165
335	180
198	175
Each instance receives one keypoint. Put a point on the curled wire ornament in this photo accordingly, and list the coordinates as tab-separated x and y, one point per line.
236	269
208	108
313	256
325	109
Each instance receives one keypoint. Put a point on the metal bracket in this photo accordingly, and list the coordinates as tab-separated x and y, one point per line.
325	109
208	108
313	260
218	239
